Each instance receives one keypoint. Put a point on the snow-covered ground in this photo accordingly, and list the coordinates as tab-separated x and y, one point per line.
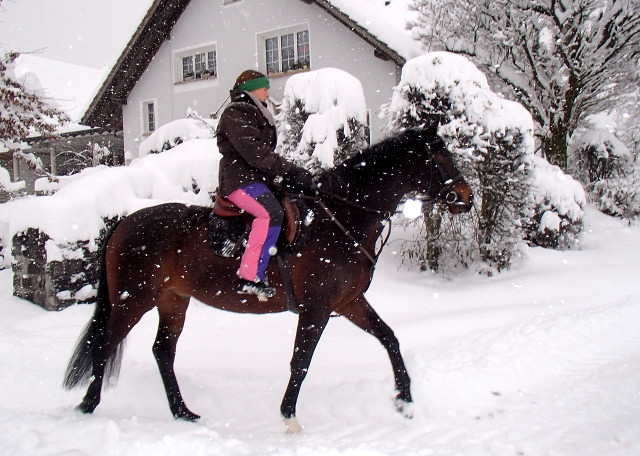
540	360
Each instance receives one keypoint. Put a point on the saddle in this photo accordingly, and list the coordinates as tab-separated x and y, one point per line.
230	225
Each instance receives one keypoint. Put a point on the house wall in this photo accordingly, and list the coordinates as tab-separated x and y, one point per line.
234	29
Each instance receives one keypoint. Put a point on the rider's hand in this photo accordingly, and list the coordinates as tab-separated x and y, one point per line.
300	177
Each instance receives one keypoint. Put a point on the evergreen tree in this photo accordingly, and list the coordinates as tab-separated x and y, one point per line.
22	113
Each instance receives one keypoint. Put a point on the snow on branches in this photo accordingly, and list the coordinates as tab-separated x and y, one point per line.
22	114
23	111
563	60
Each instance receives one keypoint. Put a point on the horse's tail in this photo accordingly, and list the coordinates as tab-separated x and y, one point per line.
80	366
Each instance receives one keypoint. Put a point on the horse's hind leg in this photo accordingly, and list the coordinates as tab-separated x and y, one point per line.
106	356
360	313
172	315
91	398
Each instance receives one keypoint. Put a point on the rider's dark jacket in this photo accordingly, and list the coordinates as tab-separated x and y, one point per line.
247	143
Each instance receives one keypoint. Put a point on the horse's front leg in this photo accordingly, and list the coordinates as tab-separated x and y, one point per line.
360	313
311	323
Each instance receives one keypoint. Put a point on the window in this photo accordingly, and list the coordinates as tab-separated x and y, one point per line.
212	61
303	47
187	68
287	50
149	116
273	59
199	63
288	47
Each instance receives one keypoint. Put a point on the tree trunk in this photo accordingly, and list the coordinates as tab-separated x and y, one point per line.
554	147
433	222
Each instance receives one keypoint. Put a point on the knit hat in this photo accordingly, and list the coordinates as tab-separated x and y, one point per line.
251	80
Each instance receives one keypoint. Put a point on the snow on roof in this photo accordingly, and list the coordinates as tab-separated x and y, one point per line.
63	85
385	19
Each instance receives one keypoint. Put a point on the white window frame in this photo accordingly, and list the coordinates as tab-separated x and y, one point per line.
207	72
144	116
268	55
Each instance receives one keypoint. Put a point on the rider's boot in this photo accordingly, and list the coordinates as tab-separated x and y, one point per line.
258	288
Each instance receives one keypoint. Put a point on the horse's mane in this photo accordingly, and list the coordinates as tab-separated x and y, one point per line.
383	155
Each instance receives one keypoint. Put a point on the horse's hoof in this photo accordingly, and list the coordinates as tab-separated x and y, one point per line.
404	408
293	426
186	415
86	407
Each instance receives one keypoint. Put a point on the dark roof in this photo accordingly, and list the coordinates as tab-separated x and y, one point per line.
81	133
106	108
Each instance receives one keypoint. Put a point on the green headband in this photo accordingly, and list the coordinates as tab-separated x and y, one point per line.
254	84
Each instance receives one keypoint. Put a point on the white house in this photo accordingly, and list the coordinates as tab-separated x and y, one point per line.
188	53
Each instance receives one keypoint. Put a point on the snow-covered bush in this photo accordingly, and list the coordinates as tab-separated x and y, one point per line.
323	118
558	211
606	168
176	132
492	140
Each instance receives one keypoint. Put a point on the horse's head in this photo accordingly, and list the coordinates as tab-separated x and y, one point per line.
440	179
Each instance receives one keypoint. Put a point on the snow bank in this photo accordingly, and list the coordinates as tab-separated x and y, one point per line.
176	132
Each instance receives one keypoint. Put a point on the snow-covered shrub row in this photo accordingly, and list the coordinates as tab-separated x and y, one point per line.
78	214
606	168
492	140
322	119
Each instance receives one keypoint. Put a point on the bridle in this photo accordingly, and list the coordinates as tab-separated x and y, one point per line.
446	193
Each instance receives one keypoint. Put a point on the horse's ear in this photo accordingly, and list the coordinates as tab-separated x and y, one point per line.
432	124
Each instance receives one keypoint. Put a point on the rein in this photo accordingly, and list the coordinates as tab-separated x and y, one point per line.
373	258
358	245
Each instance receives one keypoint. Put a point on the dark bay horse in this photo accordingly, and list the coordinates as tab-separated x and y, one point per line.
160	257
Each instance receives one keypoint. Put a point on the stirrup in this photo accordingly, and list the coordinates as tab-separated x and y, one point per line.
260	289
